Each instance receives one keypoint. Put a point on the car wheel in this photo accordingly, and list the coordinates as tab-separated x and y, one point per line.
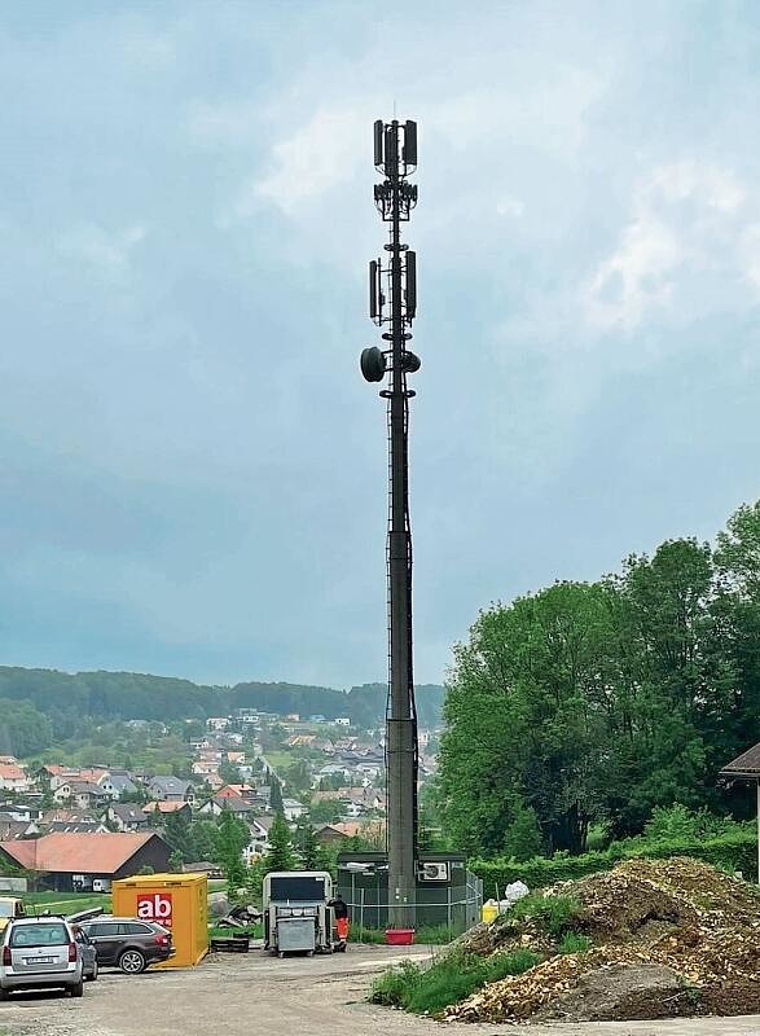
4	994
93	976
77	990
132	962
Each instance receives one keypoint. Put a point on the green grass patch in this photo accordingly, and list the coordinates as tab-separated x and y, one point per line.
449	980
555	915
357	933
437	935
63	903
571	942
280	759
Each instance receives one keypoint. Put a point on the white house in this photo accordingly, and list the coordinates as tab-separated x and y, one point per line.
13	778
106	784
259	843
292	810
205	767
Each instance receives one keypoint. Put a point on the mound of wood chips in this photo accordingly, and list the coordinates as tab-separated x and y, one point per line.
680	914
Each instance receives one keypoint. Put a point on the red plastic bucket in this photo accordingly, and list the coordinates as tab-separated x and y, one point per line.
399	936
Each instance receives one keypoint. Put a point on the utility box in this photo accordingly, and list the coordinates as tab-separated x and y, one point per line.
179	902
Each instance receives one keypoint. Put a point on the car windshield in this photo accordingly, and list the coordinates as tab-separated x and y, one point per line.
39	935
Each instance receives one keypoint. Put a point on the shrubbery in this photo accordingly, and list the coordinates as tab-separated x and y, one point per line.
724	844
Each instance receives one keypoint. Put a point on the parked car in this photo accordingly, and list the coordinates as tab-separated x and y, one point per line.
89	954
40	953
127	943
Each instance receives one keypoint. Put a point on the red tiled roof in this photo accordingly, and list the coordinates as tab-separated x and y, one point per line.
228	792
352	828
164	807
68	853
9	772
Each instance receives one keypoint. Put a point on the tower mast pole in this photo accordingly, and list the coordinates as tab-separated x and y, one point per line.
396	156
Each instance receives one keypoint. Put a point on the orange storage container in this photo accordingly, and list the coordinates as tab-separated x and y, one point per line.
179	902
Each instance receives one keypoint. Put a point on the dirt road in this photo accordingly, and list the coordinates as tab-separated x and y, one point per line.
235	995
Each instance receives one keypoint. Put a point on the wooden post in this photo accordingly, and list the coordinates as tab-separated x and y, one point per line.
757	783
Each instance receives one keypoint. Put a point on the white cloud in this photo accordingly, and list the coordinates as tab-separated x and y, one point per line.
684	226
324	129
325	152
750	249
108	253
230	124
636	277
509	207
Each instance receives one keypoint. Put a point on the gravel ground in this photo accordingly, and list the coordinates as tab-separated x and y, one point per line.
235	995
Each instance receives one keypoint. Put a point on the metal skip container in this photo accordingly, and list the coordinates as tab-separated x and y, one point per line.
297	917
178	902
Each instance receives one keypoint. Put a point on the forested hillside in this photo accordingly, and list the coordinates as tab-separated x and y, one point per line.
38	704
595	703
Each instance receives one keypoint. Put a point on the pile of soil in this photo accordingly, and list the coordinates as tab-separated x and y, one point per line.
669	937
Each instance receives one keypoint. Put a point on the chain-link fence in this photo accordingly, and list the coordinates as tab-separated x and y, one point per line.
444	911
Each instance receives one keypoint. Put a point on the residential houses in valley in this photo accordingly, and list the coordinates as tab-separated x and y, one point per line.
316	771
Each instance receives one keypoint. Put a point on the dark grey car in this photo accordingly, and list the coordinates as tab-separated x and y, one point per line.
129	944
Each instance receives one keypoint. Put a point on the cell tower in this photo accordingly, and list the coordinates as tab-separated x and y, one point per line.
392	305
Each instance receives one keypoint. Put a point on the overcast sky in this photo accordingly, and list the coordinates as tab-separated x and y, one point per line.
192	471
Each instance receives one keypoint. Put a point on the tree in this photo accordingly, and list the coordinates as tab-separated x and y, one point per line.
233	837
326	812
604	702
298	776
175	861
280	855
275	800
178	834
229	773
525	720
205	841
523	839
306	844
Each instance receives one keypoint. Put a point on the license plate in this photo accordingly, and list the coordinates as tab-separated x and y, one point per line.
39	960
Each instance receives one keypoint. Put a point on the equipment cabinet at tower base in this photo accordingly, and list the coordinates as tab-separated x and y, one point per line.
445	893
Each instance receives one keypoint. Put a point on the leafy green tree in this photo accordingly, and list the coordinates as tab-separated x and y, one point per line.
23	729
326	812
298	777
523	839
229	773
525	719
